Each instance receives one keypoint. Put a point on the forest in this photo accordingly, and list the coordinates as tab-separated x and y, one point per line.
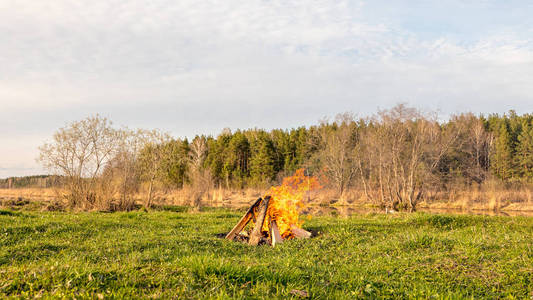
396	158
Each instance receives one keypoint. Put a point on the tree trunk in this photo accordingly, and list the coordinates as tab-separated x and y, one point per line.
150	189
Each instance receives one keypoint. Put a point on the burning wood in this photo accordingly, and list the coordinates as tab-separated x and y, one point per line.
300	233
275	236
276	216
244	221
256	234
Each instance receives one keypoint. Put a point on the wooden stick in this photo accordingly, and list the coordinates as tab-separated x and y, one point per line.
255	236
243	221
275	236
300	233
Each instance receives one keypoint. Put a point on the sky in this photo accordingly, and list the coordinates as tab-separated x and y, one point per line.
195	67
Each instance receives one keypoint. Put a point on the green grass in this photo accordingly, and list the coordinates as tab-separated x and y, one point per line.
166	254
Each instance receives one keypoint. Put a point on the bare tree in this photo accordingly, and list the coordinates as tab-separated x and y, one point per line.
336	146
399	152
79	152
471	152
150	160
122	174
200	177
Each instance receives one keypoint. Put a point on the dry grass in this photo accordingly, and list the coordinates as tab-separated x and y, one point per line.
41	194
213	198
489	196
33	198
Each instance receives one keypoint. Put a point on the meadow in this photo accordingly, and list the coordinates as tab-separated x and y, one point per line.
173	253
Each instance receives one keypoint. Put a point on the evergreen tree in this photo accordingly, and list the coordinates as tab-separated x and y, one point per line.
300	138
215	160
502	155
285	150
262	167
237	158
525	152
175	165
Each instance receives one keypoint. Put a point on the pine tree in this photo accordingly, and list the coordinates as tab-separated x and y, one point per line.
285	150
262	169
175	165
524	155
237	158
216	159
502	155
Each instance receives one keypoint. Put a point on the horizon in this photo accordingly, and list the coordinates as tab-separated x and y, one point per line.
196	67
233	130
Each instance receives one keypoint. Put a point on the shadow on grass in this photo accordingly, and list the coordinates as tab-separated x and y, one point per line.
449	222
31	253
172	208
315	232
9	213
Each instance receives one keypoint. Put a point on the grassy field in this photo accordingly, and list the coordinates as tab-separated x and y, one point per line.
175	253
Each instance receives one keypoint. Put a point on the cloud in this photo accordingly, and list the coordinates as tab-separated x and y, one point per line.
199	66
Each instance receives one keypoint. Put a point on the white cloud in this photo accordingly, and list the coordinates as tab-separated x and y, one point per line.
198	66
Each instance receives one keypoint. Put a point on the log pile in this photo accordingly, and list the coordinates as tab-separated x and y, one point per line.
258	214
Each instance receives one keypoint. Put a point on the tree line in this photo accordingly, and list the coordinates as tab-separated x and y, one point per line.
38	181
395	157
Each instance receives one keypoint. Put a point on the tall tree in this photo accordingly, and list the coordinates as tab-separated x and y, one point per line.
525	152
262	161
501	158
468	158
400	151
200	177
336	144
151	160
237	159
175	164
80	152
215	157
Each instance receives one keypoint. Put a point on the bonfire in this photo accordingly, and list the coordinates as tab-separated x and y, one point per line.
276	216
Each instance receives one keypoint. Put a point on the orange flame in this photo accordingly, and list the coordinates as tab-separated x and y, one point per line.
287	200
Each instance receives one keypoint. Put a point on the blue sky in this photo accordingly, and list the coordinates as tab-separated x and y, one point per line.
194	66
